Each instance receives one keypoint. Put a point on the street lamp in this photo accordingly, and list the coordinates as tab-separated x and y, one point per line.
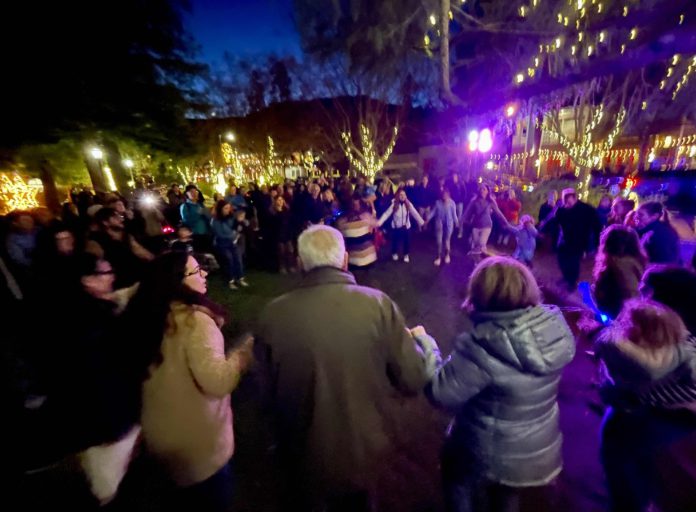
229	136
96	153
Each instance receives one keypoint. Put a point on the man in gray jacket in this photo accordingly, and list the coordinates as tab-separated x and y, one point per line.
336	353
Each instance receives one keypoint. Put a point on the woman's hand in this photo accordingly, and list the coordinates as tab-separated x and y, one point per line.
245	353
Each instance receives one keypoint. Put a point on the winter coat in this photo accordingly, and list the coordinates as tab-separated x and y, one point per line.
196	217
445	215
633	377
501	380
616	281
337	352
478	213
579	225
526	242
661	242
225	232
20	248
510	208
401	214
186	413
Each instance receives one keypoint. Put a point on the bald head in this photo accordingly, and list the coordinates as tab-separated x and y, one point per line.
321	246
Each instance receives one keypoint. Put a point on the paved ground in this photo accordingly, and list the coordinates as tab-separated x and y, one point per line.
431	297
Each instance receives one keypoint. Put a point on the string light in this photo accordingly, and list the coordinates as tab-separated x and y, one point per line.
625	11
681	19
634	33
602	35
368	161
589	51
16	194
433	20
559	41
519	78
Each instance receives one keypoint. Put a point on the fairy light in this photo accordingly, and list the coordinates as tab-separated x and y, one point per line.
580	36
602	36
433	20
16	194
625	11
523	11
599	8
368	161
681	19
634	33
519	78
589	51
559	42
573	50
623	49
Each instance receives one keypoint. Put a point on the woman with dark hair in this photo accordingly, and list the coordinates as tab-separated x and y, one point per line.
92	380
479	216
618	269
186	414
658	237
226	239
280	234
675	287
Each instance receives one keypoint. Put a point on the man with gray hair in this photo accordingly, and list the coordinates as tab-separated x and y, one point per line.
336	352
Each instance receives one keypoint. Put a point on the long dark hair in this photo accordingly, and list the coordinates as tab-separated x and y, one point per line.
146	319
219	206
621	241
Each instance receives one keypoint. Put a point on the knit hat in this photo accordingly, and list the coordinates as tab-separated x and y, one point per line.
567	192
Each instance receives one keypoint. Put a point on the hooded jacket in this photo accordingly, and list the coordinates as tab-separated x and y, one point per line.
502	382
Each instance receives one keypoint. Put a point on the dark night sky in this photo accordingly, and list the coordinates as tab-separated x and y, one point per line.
243	27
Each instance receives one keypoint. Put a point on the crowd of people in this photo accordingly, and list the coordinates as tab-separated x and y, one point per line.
114	351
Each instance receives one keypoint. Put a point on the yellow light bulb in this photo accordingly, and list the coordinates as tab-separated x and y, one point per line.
519	78
644	106
589	51
599	8
625	10
602	36
681	19
675	60
558	42
580	36
573	49
634	33
433	20
623	49
670	72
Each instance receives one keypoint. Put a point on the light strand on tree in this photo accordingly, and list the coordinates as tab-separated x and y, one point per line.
16	194
367	161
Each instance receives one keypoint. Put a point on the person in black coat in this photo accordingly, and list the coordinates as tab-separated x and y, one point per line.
659	239
579	226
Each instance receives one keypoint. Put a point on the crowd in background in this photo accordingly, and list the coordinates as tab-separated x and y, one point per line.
125	347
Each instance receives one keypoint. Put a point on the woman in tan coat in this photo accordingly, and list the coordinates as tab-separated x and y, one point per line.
186	414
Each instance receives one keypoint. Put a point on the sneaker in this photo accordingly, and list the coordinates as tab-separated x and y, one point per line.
437	262
407	259
447	259
232	286
242	282
395	257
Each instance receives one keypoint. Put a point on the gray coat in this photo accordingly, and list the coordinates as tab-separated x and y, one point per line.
502	382
338	354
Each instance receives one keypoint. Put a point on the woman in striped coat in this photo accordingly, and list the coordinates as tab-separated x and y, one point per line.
358	229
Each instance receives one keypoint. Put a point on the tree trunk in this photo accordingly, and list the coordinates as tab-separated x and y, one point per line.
50	190
113	157
94	167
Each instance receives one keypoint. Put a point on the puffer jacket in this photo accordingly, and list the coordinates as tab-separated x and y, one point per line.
502	382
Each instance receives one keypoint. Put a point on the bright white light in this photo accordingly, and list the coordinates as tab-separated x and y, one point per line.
692	151
229	136
433	20
96	153
510	111
490	165
128	163
148	201
473	136
485	142
668	141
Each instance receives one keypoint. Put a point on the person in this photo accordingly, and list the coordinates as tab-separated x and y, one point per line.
604	210
423	196
111	242
196	217
20	243
456	189
175	198
358	229
620	210
400	211
478	216
658	238
549	206
226	239
336	351
510	207
330	205
675	287
186	415
280	235
525	235
501	382
90	416
618	269
579	224
645	344
235	198
445	215
385	196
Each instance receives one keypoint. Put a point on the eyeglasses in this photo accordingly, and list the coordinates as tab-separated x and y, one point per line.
198	270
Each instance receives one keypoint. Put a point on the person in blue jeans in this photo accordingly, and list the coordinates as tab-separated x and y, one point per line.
446	219
226	238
